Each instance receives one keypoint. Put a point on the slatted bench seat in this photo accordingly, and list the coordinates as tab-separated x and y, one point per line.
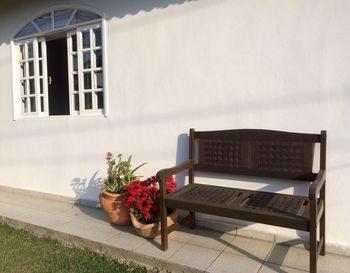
258	153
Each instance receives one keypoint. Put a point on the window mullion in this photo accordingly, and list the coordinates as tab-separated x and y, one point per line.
26	95
45	83
36	26
71	17
80	72
93	90
36	77
70	73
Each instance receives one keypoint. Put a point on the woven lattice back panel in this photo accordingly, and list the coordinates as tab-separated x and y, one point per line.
271	158
282	157
221	153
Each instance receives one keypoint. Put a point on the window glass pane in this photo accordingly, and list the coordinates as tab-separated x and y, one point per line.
87	80
98	40
42	103
32	104
86	39
31	86
30	50
40	68
74	42
23	87
76	102
88	100
76	82
98	79
99	100
24	105
27	30
31	68
87	59
61	17
83	16
41	86
23	69
21	51
39	49
75	63
44	22
98	58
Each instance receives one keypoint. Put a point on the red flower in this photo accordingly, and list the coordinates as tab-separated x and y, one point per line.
148	216
109	155
143	198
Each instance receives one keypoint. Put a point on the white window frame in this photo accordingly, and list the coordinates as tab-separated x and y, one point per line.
16	95
36	77
81	70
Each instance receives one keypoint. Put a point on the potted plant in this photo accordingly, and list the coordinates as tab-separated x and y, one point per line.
120	173
143	202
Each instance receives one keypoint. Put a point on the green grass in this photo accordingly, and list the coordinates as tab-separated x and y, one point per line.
22	252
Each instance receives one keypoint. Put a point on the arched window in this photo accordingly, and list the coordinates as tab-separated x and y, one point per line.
60	64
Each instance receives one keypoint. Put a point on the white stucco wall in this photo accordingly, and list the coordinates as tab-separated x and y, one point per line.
174	64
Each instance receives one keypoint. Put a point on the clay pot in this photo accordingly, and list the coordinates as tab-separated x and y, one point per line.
112	204
153	230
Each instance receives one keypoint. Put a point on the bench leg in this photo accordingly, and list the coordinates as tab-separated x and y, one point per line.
192	223
163	227
323	221
313	237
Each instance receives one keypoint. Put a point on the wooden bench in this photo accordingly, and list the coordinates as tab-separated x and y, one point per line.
257	153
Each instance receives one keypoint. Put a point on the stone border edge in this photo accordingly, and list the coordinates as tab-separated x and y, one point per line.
121	255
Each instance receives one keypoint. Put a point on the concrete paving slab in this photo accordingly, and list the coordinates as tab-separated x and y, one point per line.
254	249
231	263
245	231
89	230
35	203
152	248
195	256
333	263
211	239
44	219
295	257
183	234
273	268
87	213
126	240
10	210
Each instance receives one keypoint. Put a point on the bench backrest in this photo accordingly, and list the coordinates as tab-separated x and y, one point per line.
254	152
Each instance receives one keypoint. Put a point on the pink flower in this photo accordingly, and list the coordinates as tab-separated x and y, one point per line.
109	154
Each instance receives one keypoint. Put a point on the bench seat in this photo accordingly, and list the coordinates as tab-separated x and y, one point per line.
256	206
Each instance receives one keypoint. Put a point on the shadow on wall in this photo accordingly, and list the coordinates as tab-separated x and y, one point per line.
182	154
121	8
85	188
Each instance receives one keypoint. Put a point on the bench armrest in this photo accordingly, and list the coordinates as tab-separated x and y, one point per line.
317	185
164	173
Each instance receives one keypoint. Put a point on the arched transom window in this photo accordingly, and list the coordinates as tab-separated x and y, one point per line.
60	65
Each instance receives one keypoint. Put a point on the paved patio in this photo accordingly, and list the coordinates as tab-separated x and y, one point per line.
196	250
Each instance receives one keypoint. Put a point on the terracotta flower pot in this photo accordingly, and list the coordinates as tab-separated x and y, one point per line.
112	204
153	230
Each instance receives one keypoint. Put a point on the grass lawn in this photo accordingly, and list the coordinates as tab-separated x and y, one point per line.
22	252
